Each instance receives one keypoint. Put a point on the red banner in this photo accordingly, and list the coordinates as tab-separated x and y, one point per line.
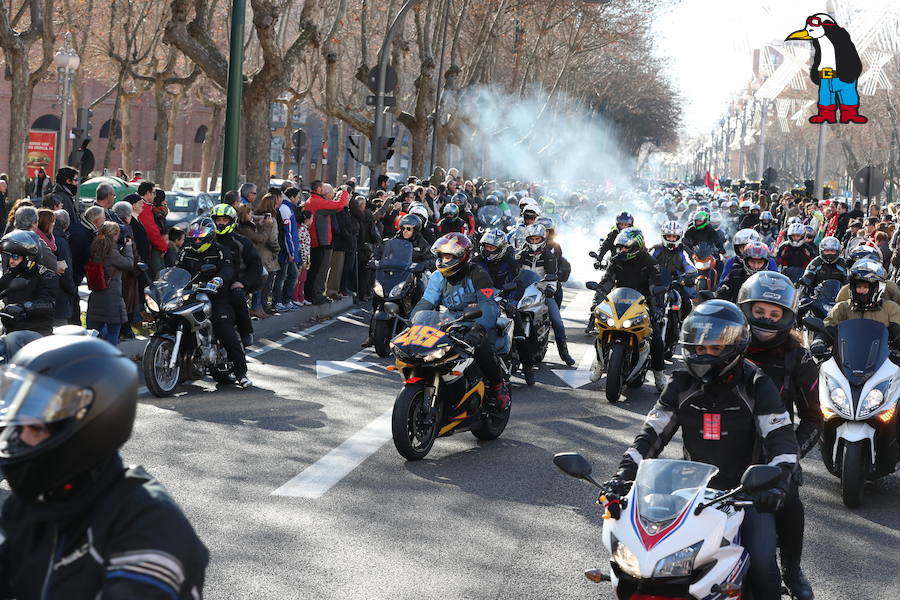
41	153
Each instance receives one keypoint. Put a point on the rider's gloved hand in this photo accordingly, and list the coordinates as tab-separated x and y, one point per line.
769	501
15	311
475	335
818	348
616	486
549	291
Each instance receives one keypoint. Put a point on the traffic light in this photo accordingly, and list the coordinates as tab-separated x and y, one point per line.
383	149
298	145
83	123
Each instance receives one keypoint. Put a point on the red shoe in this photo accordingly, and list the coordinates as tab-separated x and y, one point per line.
501	394
849	114
827	114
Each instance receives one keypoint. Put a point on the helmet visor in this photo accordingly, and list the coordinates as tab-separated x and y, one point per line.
711	331
27	398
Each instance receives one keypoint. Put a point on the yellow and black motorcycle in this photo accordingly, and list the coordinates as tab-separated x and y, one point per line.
444	391
622	323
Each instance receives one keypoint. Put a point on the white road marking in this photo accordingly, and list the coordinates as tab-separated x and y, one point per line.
321	476
327	368
580	376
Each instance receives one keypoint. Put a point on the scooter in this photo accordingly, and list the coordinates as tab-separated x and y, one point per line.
672	536
858	391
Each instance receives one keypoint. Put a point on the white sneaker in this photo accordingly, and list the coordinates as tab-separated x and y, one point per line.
244	382
307	303
279	307
659	378
297	303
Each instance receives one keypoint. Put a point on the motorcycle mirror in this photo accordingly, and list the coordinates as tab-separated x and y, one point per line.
814	323
391	308
593	254
574	465
592	285
760	477
470	314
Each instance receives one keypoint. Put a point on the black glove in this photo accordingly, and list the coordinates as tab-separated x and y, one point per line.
616	486
548	292
15	311
769	501
475	335
818	349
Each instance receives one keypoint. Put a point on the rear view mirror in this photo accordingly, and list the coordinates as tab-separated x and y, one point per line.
760	477
593	254
575	465
391	308
471	314
592	285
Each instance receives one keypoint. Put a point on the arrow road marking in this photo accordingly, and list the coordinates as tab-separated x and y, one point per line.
580	376
321	476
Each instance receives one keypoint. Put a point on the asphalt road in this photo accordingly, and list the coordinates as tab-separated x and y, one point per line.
473	520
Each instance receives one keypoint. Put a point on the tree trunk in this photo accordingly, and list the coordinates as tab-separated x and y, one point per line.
162	133
210	144
257	134
168	176
127	148
287	151
114	140
19	121
217	164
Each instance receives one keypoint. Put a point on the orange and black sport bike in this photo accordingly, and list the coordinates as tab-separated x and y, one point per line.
444	391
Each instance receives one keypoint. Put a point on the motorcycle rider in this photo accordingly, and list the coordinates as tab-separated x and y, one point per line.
32	307
530	214
752	218
78	521
741	239
827	265
247	263
451	222
866	252
564	268
795	252
428	229
769	301
538	257
701	231
754	259
633	267
201	248
767	228
410	229
670	255
457	284
867	301
624	220
731	416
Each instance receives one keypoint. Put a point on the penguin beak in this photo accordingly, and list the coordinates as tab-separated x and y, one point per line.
799	35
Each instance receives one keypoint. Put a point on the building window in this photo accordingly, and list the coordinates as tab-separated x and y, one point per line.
200	136
110	124
46	123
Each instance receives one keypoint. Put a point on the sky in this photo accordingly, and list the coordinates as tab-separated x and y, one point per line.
709	44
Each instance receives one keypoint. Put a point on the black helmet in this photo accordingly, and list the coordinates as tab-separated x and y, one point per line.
21	243
84	391
410	221
716	322
773	288
871	272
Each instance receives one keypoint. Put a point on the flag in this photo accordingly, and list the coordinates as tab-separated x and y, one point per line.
707	180
717	187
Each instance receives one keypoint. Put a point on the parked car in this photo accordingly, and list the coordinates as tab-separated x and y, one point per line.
184	207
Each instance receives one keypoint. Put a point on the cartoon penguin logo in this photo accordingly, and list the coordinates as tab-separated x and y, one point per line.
836	67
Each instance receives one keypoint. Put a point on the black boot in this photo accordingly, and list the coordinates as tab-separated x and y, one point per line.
563	350
797	582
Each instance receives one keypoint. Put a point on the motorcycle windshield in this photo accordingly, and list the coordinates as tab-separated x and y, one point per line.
860	349
170	282
704	250
624	298
397	254
828	290
665	488
489	216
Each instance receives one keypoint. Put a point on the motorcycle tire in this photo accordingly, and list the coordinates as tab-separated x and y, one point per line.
853	472
381	338
493	422
156	356
412	439
614	367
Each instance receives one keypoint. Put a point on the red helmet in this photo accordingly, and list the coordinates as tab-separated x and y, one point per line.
456	245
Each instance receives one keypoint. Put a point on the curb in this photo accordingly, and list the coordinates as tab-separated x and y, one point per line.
263	329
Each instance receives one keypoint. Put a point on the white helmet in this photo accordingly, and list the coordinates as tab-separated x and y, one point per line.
420	211
715	219
533	230
532	207
746	204
673	228
796	229
744	237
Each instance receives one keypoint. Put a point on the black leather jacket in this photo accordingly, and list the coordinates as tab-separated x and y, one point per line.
38	300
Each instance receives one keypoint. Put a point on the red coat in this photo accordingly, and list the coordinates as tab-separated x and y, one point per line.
314	203
157	241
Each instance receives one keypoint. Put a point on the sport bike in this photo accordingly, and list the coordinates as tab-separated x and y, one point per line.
444	391
672	536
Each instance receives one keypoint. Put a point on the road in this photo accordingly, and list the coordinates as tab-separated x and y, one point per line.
474	520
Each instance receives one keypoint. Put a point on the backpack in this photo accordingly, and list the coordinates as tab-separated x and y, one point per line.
96	276
563	269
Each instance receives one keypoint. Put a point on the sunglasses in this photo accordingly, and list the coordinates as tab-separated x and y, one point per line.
14	256
817	22
407	228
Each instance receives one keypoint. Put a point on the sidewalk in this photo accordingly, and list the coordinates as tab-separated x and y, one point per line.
265	328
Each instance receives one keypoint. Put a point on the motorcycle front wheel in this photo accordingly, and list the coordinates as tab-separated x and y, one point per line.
381	338
614	372
853	472
413	434
161	380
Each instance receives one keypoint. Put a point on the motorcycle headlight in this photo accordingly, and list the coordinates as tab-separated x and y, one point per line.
379	291
626	559
530	301
839	398
873	400
397	290
437	354
678	564
151	303
634	321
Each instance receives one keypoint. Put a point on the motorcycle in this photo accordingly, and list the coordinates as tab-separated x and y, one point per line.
443	390
672	315
622	343
534	316
704	259
183	346
672	536
858	391
398	282
489	217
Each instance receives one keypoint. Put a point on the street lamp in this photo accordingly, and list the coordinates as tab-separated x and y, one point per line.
66	61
